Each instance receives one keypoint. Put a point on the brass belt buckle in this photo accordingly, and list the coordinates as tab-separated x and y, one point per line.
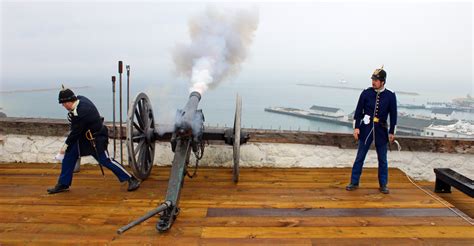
376	119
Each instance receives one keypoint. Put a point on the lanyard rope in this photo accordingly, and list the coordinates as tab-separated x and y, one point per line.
462	215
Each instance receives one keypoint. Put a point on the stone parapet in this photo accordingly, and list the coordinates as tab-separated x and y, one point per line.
38	140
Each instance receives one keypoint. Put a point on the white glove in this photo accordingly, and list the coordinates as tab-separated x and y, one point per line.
59	157
366	119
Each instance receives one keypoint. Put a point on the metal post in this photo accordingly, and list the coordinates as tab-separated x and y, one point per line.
128	86
113	113
120	70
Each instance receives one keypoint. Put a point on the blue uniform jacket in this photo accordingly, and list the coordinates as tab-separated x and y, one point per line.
87	118
381	106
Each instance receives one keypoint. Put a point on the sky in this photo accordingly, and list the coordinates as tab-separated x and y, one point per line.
422	45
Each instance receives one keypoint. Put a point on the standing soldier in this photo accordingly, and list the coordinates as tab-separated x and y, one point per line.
370	122
88	136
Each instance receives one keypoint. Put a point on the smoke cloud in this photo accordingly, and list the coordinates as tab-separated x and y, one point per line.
219	44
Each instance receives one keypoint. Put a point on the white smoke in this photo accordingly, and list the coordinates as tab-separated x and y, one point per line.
219	44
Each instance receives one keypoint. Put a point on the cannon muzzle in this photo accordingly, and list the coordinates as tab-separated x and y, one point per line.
190	120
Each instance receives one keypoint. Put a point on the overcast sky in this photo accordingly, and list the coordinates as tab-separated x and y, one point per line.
422	45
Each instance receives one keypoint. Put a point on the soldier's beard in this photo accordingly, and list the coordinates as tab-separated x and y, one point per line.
378	88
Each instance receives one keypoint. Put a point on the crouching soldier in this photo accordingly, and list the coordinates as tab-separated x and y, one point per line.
88	136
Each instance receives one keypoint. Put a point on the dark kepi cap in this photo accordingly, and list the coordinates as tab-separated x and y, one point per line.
379	74
66	95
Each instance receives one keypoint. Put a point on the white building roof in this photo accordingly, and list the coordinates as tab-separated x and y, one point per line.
458	127
326	109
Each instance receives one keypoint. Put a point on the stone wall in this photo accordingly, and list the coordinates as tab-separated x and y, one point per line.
39	140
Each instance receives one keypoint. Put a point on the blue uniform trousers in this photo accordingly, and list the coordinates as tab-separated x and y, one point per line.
71	156
364	147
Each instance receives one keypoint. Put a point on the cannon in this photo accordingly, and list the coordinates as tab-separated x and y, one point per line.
188	135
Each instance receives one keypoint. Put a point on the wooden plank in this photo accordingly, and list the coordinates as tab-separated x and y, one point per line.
297	195
192	220
330	212
391	241
340	232
99	230
321	221
201	203
163	172
223	177
337	241
224	184
41	239
67	239
159	171
255	241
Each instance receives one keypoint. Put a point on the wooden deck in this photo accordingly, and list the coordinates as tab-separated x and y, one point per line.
267	206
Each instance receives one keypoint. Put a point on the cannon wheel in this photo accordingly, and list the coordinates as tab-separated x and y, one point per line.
140	136
237	124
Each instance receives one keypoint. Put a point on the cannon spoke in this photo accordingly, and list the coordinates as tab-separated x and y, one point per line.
141	112
151	154
139	118
138	137
147	158
152	148
138	128
148	116
151	122
145	118
143	159
138	163
139	146
139	107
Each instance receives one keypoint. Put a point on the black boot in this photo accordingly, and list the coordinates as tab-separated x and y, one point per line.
384	189
133	184
58	188
352	187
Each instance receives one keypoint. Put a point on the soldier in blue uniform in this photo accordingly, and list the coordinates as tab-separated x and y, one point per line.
88	136
375	105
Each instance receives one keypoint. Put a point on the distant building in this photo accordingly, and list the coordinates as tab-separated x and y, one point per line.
463	115
442	113
457	130
439	105
327	111
465	102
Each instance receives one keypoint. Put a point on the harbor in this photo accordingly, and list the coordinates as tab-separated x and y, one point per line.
440	124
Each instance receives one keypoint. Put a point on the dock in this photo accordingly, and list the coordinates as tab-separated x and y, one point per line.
307	115
269	206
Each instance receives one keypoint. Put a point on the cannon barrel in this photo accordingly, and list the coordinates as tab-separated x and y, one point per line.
188	120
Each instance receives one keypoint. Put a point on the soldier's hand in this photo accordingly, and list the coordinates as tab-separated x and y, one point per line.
391	138
356	133
63	149
58	157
